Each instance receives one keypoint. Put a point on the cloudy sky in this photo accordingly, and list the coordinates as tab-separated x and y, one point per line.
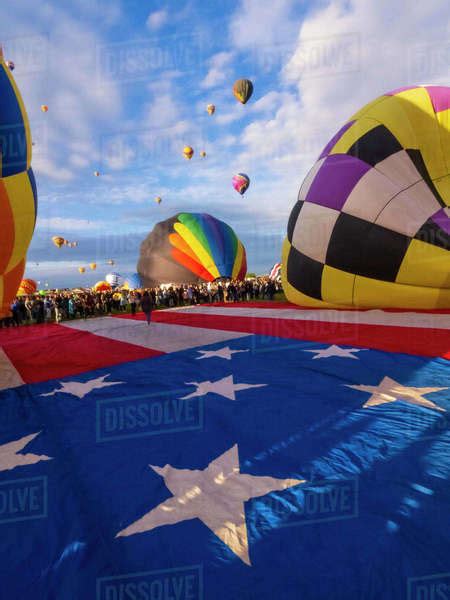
127	83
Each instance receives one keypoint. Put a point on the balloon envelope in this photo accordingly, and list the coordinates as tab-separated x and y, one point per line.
211	109
114	279
81	269
191	247
44	107
18	188
27	287
188	152
371	226
58	241
102	286
241	182
242	90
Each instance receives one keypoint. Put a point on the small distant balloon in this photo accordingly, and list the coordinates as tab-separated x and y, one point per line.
44	108
97	173
11	66
93	266
242	90
211	109
58	241
158	199
241	181
110	261
203	154
81	269
188	152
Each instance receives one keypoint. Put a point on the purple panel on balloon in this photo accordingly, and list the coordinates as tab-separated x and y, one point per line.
440	97
441	220
335	180
335	139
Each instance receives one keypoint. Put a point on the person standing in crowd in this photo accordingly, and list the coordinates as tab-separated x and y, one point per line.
132	300
147	306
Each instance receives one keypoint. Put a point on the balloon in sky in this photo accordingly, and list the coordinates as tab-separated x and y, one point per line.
110	261
203	154
81	269
371	226
158	199
97	173
211	109
93	266
11	66
102	286
114	279
58	241
190	248
242	90
44	108
241	182
188	152
18	194
27	287
133	282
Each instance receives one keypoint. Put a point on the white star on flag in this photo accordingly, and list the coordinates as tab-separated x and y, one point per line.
389	390
224	352
215	495
335	351
10	459
80	389
223	387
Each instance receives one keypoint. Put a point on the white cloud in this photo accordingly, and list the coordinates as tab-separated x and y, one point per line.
219	70
61	224
157	19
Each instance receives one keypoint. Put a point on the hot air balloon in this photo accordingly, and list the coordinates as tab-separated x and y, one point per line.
66	243
203	154
211	109
44	108
27	287
18	188
74	244
93	266
102	286
11	66
158	199
371	227
58	241
242	90
114	279
241	182
81	269
191	247
110	261
188	152
97	173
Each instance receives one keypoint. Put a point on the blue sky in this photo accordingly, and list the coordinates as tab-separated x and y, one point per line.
127	83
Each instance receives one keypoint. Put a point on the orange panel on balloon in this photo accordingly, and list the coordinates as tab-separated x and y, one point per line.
177	241
192	265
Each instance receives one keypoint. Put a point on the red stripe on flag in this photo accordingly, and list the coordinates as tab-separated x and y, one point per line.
50	351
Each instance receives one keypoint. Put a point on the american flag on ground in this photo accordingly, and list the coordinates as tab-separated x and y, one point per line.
227	452
275	271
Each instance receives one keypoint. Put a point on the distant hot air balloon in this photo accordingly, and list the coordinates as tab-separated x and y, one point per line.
203	154
93	266
66	243
211	109
58	241
97	173
81	269
18	189
110	261
242	90
188	152
189	248
27	287
74	244
11	66
241	182
158	199
102	286
44	108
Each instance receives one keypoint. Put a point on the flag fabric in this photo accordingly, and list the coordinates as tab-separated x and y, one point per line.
227	453
275	271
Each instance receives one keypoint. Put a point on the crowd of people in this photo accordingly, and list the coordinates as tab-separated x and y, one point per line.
71	304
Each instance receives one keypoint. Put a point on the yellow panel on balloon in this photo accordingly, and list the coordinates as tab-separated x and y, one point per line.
337	286
372	293
21	200
353	134
391	114
443	118
426	265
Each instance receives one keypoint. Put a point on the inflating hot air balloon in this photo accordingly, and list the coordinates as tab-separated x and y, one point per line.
27	287
114	279
17	188
191	247
371	226
102	286
241	182
133	282
242	90
203	154
81	269
158	199
211	109
188	152
58	241
44	108
93	266
11	66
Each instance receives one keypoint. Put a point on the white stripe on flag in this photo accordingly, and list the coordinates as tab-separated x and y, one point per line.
158	336
9	376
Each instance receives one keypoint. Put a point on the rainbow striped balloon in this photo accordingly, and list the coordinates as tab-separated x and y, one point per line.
18	195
